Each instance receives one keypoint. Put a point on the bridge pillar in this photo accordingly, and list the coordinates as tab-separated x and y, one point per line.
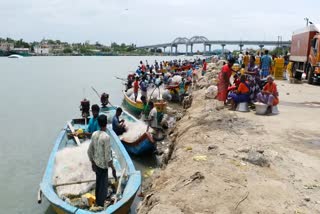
176	49
204	48
164	49
241	47
191	48
209	48
171	49
261	48
222	51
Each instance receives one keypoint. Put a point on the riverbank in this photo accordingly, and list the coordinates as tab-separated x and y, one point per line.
232	162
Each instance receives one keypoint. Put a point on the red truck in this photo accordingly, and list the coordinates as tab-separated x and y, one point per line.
305	53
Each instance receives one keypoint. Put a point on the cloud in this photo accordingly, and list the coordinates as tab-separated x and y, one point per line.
151	21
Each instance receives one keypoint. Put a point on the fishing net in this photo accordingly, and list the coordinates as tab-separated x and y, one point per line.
134	131
73	165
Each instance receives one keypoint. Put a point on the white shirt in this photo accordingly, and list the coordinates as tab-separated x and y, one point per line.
99	150
153	114
240	56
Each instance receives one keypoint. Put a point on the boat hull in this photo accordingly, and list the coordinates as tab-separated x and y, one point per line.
137	107
123	161
144	145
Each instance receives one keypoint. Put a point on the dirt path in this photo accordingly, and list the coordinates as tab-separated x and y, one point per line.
232	162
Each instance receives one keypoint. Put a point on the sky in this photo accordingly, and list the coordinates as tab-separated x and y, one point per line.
147	22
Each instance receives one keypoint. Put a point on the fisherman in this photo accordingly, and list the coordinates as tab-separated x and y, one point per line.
153	117
93	124
143	87
118	125
100	155
142	67
146	108
265	64
136	88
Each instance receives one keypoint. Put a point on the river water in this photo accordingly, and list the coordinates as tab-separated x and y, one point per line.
38	95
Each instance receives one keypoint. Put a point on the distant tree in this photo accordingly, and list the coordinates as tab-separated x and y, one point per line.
51	42
67	50
9	40
106	49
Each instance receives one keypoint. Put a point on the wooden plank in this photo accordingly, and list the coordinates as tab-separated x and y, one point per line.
72	130
72	183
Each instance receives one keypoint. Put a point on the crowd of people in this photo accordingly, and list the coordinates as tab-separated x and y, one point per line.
165	72
253	83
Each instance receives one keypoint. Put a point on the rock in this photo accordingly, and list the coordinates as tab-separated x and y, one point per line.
244	150
307	199
257	158
261	151
211	92
211	147
159	209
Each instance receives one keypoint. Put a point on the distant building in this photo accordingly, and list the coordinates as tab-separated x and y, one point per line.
41	49
21	50
6	46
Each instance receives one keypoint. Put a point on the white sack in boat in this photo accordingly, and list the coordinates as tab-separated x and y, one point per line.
129	92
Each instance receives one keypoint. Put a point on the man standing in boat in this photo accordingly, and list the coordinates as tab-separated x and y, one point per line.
118	125
136	88
143	87
93	124
100	155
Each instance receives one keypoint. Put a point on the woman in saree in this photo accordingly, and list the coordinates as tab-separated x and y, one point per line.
253	77
224	80
269	94
241	95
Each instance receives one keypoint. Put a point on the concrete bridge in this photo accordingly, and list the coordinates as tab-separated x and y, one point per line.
208	43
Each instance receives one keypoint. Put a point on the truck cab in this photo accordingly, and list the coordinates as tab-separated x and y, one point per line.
313	69
305	53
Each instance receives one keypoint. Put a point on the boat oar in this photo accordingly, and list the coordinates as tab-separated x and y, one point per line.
119	78
119	185
74	136
96	92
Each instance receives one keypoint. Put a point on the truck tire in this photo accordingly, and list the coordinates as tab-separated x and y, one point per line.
295	74
310	74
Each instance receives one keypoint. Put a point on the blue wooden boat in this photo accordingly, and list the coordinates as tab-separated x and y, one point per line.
145	144
122	161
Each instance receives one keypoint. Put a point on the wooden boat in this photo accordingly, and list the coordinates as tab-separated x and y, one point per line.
122	161
145	144
137	107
